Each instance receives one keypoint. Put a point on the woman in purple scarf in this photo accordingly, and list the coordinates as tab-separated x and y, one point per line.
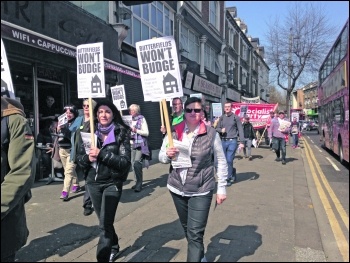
139	145
107	166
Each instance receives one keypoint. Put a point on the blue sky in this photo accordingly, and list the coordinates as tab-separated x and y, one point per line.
257	13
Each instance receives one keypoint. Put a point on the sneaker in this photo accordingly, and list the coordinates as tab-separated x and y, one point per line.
228	182
59	175
278	159
114	255
88	211
233	179
75	189
250	158
283	162
64	196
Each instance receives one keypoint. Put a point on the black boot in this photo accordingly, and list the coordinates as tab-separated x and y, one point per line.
138	175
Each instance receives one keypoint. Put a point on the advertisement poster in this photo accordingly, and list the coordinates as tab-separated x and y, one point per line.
118	97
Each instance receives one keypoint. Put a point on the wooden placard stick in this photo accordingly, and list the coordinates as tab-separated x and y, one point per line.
167	123
92	127
161	113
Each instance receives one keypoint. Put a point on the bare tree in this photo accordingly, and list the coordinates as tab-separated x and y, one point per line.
277	97
298	45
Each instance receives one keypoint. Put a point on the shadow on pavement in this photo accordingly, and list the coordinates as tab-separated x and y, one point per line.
148	187
233	244
246	176
149	247
59	241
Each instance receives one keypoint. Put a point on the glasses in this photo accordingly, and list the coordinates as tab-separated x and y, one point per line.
68	108
85	105
188	110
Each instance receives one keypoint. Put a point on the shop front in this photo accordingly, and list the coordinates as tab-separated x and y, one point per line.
40	40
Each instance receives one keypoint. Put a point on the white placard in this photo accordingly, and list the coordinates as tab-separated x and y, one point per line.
217	109
90	71
127	120
119	98
62	119
198	95
6	80
159	69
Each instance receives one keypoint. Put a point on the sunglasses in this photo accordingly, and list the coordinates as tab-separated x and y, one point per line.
188	110
85	106
68	108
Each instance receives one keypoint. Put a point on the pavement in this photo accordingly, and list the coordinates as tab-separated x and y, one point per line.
268	217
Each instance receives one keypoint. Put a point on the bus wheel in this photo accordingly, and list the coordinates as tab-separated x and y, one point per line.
340	150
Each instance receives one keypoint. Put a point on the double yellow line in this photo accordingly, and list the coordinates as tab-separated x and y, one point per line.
342	243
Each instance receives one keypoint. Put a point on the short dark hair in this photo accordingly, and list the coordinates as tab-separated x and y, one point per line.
72	108
193	100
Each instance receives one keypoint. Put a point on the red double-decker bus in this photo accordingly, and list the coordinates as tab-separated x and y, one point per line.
333	97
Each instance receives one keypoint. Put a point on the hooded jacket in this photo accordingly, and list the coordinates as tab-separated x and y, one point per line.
17	175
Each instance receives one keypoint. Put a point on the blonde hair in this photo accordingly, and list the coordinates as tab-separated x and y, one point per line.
92	101
135	107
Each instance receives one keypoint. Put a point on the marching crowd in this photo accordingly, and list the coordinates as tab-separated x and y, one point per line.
209	146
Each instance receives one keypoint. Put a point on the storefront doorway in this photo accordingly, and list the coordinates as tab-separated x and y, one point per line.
49	91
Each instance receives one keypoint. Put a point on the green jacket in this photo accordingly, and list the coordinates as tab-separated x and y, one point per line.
17	177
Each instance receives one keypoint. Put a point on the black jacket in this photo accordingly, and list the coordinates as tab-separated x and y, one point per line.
248	131
113	161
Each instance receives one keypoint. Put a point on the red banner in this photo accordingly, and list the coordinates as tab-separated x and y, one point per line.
259	114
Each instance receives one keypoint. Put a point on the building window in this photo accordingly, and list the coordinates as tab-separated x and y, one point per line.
197	4
149	20
214	13
189	44
210	57
99	9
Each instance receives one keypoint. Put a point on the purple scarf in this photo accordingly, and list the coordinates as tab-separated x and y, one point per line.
106	130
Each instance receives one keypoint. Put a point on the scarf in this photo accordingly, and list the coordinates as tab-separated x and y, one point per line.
140	141
106	130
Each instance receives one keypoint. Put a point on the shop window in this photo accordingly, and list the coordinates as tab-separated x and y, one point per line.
23	85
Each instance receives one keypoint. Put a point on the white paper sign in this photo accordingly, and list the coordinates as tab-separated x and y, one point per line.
183	159
119	98
159	69
217	109
90	71
6	80
86	138
127	120
62	119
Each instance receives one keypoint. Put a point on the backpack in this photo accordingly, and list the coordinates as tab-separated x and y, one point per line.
4	151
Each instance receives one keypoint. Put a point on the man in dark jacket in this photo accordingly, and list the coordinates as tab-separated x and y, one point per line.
17	176
249	135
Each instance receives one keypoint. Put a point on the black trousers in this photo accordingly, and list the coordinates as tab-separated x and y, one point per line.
105	199
193	214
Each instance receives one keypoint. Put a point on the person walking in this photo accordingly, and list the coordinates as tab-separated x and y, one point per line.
112	155
230	127
279	128
18	163
295	132
85	127
249	135
66	150
192	194
177	116
139	145
268	130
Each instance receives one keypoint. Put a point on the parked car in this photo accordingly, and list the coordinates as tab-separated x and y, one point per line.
311	125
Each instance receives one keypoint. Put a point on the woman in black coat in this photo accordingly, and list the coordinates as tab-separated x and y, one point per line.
249	135
107	166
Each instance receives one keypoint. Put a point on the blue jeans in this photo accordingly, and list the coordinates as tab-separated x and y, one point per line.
295	139
229	148
105	199
279	144
193	214
247	147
